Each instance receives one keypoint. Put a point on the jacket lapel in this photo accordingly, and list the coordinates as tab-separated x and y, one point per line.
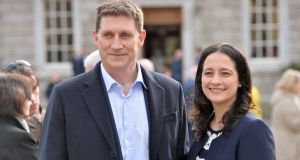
195	149
97	102
156	103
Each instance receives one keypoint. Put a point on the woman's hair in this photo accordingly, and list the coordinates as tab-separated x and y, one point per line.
22	67
15	89
288	80
202	111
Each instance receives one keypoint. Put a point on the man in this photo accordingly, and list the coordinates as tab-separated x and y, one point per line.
118	110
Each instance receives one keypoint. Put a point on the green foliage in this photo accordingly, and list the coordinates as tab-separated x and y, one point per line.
295	66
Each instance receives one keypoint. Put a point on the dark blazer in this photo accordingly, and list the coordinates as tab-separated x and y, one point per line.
79	123
251	139
15	141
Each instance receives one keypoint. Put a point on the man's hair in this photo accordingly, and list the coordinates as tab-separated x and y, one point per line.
120	8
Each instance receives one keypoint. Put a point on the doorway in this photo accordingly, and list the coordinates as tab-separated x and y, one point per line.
163	26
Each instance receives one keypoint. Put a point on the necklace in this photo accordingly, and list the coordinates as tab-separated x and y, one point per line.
217	125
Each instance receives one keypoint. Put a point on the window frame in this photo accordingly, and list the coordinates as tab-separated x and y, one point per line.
266	64
58	30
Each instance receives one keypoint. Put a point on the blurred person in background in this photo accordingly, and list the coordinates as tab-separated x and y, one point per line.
77	64
15	100
91	60
256	109
224	129
36	112
285	116
54	79
147	64
177	65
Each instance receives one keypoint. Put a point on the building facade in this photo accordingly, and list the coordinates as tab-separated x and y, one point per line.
48	33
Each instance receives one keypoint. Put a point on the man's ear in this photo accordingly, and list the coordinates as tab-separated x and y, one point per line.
142	38
95	35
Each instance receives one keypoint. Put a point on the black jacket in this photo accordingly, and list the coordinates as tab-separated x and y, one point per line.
79	125
15	142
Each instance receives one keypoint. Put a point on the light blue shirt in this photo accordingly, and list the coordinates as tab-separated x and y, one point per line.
130	115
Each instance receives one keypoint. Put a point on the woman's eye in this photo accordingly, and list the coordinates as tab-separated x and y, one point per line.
226	74
207	73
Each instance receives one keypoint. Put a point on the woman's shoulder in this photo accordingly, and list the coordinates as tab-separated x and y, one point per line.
16	143
251	124
10	127
255	137
251	119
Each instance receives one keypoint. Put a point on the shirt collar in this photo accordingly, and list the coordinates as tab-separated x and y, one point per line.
109	81
23	123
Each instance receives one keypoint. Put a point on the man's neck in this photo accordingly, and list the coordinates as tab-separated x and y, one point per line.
125	77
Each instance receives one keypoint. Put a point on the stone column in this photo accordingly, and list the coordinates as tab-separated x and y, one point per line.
187	36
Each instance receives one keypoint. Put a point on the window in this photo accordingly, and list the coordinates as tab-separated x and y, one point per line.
59	33
264	28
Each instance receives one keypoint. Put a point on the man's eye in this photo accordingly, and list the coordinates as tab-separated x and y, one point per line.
125	35
107	35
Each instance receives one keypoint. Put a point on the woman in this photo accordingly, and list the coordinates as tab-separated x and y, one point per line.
285	117
15	141
36	113
224	130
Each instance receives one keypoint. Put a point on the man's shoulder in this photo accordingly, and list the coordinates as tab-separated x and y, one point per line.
78	80
163	79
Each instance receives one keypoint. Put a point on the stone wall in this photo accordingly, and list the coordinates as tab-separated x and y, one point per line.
219	21
294	20
16	30
88	21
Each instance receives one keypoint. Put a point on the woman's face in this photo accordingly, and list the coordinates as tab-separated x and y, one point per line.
26	108
220	79
35	101
296	88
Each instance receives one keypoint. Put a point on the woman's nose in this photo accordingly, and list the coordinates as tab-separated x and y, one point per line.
33	99
216	79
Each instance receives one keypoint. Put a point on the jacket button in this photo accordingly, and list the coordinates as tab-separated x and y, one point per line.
113	155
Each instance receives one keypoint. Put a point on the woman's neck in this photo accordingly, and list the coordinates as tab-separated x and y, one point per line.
217	121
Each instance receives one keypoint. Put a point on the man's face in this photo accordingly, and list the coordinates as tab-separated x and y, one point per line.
118	41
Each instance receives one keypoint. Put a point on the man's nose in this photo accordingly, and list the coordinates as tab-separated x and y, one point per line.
116	44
